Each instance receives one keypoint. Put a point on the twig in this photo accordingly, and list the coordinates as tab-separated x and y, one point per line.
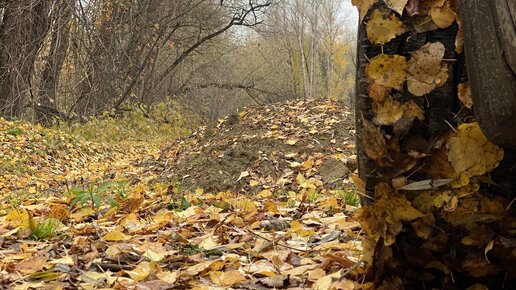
349	270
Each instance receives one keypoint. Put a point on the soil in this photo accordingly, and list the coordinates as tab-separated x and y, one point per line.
266	148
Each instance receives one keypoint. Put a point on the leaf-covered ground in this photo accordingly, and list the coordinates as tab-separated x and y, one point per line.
84	215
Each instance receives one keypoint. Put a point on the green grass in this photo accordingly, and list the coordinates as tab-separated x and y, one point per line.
45	229
349	196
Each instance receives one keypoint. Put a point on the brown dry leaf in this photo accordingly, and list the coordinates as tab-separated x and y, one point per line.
32	264
363	6
59	212
373	141
132	203
383	26
387	70
464	92
419	88
390	111
470	153
442	16
359	183
396	5
426	60
377	92
384	217
459	38
426	69
438	166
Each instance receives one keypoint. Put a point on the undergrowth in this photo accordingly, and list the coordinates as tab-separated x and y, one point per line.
164	122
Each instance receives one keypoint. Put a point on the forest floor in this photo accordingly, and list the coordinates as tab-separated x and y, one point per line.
261	200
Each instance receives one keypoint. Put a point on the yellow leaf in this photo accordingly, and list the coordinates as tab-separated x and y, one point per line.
208	243
373	141
383	26
363	6
307	165
291	141
316	274
32	190
22	219
266	193
153	256
470	152
141	271
426	60
390	111
115	236
300	179
167	276
387	70
271	207
325	282
359	183
228	278
66	260
82	214
253	183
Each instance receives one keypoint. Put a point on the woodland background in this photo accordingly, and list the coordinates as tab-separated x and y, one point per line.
77	59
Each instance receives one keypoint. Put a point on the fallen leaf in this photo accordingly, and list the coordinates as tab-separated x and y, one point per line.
470	152
383	26
115	236
243	174
442	16
387	70
228	278
396	5
141	271
464	92
363	7
426	69
32	264
373	141
390	111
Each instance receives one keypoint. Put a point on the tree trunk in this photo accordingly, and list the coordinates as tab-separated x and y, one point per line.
60	35
22	30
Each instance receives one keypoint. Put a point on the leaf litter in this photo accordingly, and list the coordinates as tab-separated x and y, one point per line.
83	215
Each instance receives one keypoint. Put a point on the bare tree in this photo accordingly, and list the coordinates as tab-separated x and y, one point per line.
23	26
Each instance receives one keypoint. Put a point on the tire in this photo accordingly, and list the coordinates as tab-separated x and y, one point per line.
438	112
490	46
443	111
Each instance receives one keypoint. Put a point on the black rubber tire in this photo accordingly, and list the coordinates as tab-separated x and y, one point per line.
443	110
440	105
489	42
